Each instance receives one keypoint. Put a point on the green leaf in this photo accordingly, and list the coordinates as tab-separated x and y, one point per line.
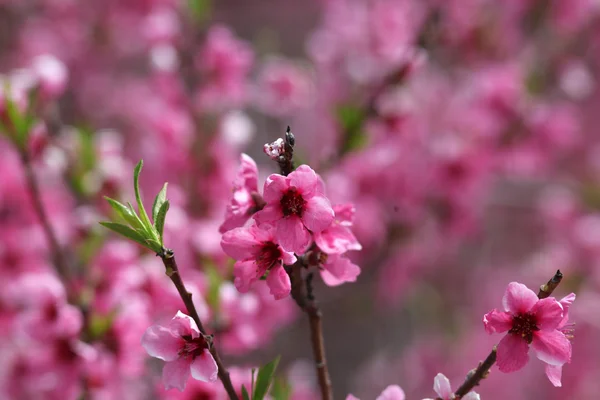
200	9
138	198
281	390
264	379
352	119
245	395
127	213
160	219
129	233
160	198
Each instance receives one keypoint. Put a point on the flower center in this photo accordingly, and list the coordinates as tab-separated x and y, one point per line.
268	257
192	347
524	325
292	202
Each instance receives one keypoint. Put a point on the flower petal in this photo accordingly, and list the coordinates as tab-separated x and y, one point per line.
512	353
204	368
279	283
338	270
176	373
548	313
239	243
392	392
275	185
269	215
292	235
554	374
441	385
245	273
497	321
182	324
288	257
318	214
566	302
306	180
552	347
471	396
247	174
336	239
162	343
518	298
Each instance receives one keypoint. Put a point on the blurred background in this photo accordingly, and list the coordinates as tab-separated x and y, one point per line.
464	132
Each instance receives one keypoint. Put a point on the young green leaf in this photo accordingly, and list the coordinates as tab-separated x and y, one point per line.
159	220
127	213
160	198
138	198
245	395
128	232
264	379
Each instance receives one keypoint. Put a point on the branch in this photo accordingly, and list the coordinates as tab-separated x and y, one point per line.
172	271
302	294
482	371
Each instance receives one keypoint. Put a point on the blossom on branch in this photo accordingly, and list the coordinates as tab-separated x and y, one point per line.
442	387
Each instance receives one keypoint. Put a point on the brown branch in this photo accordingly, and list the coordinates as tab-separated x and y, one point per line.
58	257
302	294
483	369
172	271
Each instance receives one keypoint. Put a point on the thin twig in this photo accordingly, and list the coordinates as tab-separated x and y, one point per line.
307	303
483	369
172	271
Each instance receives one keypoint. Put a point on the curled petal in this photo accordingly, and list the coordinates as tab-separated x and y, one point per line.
338	270
204	368
512	353
176	373
160	342
566	302
548	313
318	214
279	283
248	173
182	324
518	298
337	239
554	374
552	347
496	321
441	385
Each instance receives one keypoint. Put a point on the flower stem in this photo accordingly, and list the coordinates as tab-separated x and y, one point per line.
483	369
172	271
302	294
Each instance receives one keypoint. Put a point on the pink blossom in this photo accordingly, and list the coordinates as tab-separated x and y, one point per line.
392	392
257	251
338	237
185	350
245	189
554	372
338	269
529	321
275	149
442	387
296	205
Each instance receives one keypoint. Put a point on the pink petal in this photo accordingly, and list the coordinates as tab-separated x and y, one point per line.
275	185
248	172
245	273
344	214
239	243
162	343
288	257
497	321
552	347
441	385
279	283
176	373
292	235
512	353
204	368
566	302
548	313
338	270
471	396
318	214
554	374
182	324
306	180
336	239
269	215
518	298
392	392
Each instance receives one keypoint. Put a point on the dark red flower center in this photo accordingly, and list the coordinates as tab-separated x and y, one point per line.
268	257
292	202
192	347
524	325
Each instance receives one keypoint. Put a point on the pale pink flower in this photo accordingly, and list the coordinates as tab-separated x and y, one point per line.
296	205
529	321
554	372
185	350
442	387
243	198
338	237
392	392
257	251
